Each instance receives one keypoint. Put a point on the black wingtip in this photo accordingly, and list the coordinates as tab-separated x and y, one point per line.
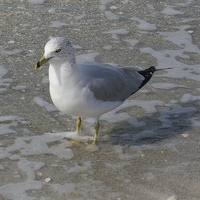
147	74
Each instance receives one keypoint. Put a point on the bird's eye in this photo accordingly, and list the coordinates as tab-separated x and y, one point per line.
58	50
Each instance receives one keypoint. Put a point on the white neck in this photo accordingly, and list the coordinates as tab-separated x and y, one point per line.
59	72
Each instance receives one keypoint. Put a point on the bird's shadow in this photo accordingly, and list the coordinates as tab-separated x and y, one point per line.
179	119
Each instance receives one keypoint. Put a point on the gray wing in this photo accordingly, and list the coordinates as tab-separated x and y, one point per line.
111	83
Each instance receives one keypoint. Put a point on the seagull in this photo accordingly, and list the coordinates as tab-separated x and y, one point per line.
88	90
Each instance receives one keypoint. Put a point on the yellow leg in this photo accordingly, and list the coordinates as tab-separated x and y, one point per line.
96	133
78	124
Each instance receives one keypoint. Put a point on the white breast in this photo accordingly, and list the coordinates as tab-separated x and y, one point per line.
73	100
62	89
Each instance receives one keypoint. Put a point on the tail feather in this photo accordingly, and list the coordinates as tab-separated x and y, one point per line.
147	74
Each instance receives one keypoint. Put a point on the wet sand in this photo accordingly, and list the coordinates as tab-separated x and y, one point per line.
148	147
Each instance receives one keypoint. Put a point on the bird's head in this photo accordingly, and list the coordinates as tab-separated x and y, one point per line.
57	50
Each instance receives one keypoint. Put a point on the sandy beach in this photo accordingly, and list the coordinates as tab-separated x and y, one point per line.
148	148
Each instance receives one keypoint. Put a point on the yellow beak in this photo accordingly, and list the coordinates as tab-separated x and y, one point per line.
41	62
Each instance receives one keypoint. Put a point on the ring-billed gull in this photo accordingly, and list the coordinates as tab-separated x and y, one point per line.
88	90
